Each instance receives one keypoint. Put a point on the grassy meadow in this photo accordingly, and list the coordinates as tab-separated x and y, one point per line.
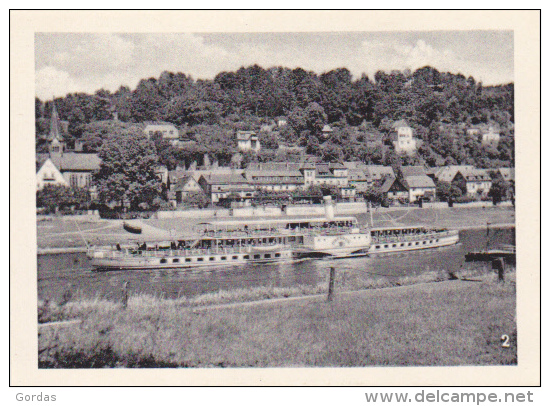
428	321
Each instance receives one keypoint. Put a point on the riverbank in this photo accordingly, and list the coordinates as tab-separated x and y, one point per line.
57	235
450	322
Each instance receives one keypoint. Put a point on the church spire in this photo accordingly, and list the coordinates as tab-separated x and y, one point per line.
57	143
55	125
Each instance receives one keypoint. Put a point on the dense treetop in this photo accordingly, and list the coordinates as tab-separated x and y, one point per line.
439	106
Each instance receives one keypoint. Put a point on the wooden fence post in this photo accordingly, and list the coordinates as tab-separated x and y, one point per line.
332	276
125	287
498	265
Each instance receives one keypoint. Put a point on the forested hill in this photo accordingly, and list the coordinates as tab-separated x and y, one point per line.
439	106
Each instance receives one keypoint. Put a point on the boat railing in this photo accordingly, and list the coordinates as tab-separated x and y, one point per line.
189	251
414	237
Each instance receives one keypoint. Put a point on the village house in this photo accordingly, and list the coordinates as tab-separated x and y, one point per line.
183	187
491	137
358	180
394	189
448	173
405	142
475	182
284	176
378	172
419	185
472	132
506	174
220	187
62	167
167	130
248	141
326	131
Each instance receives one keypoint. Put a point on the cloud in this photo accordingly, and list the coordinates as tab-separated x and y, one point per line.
88	62
390	55
50	82
96	53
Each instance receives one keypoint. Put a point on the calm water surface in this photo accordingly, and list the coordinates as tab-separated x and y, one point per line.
57	273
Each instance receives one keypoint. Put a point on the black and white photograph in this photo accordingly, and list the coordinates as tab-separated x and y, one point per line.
264	199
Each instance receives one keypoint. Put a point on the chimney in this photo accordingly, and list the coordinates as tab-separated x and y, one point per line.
329	208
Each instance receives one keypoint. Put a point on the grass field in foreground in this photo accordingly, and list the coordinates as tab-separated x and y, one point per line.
446	323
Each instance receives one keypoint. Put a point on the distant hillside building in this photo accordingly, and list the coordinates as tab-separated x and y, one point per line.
248	141
326	131
168	131
491	137
405	142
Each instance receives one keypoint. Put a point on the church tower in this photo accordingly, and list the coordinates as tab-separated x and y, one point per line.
57	142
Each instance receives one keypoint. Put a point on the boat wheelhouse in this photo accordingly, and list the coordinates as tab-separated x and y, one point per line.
310	237
393	239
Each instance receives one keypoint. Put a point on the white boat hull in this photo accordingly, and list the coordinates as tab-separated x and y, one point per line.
112	260
433	240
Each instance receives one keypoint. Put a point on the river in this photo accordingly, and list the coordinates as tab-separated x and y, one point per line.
58	273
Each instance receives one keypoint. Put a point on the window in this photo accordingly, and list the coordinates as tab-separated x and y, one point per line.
187	259
423	242
201	259
267	256
163	261
377	247
394	245
277	255
246	256
73	180
257	256
175	260
212	258
385	245
224	258
235	257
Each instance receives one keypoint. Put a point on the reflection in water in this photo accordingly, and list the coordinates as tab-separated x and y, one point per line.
57	273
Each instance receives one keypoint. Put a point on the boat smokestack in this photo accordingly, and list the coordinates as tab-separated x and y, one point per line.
329	208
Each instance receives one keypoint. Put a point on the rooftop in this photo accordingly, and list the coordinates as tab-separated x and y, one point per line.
418	181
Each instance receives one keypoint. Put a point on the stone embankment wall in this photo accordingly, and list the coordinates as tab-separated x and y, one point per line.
268	211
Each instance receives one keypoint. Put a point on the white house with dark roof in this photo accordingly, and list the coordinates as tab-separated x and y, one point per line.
491	137
405	142
248	141
419	186
476	182
168	130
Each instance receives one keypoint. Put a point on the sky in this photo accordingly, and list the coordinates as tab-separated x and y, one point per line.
71	62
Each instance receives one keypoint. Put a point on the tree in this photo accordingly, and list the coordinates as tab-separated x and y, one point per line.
53	197
499	190
127	172
446	191
198	199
